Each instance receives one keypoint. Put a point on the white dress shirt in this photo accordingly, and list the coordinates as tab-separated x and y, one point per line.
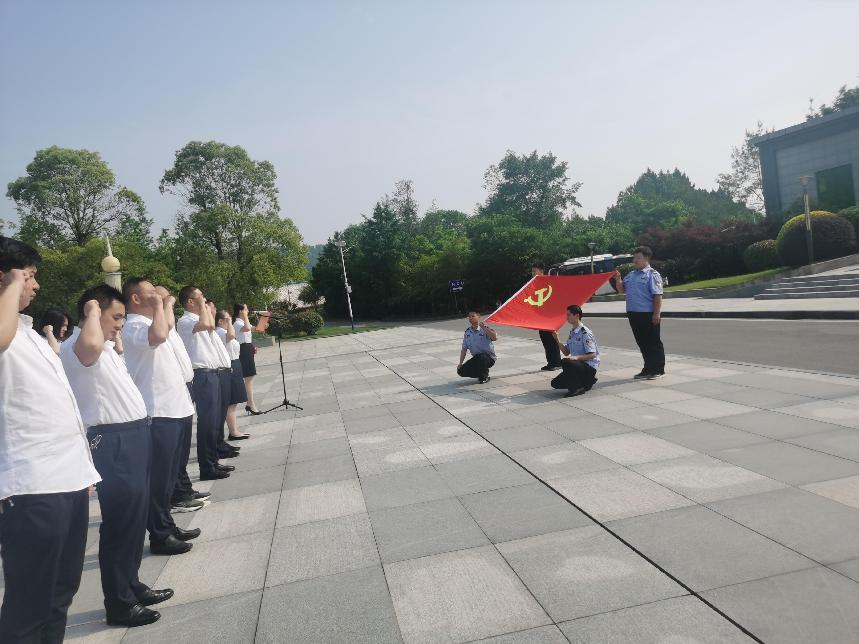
220	348
105	392
244	337
232	346
155	371
200	347
181	353
43	443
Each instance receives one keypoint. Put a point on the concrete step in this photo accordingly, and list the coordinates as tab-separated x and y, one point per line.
804	295
813	287
807	282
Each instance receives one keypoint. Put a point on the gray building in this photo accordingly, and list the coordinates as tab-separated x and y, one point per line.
826	150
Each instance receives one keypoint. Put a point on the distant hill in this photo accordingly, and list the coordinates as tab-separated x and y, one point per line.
313	255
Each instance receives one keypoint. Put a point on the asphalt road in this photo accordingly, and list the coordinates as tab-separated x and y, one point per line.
830	346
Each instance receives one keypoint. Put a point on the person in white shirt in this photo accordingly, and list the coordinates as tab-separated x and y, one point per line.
244	334
184	498
194	327
114	414
154	369
227	333
46	468
225	377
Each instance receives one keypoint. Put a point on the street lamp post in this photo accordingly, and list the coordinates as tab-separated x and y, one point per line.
592	245
341	245
809	241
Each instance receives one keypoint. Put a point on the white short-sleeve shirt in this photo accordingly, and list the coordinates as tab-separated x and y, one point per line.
155	371
43	443
105	392
201	349
232	346
244	337
181	354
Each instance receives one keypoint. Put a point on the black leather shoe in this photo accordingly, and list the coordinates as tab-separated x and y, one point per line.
232	454
240	437
151	596
550	367
137	615
225	468
214	475
187	535
170	546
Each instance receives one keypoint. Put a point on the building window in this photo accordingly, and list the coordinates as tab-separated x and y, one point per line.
835	188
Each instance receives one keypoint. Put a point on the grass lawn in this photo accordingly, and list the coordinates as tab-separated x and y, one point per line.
721	282
330	331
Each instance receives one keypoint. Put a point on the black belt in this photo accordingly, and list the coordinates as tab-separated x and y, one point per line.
110	428
205	370
225	370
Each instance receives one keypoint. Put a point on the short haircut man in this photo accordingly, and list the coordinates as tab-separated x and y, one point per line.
643	290
581	356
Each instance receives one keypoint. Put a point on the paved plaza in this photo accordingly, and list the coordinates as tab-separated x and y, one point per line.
406	504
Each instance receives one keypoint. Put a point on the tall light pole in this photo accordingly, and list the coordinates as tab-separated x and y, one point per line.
809	242
341	245
592	245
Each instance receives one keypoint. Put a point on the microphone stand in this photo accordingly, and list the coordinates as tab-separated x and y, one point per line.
285	404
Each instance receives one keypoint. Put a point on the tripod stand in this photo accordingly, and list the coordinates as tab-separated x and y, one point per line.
285	404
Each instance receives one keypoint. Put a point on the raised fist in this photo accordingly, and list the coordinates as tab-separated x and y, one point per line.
152	299
48	329
91	308
13	276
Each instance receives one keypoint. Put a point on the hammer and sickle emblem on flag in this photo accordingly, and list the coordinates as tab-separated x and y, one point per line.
541	295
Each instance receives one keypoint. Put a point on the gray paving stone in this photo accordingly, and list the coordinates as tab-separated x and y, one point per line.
346	608
840	442
706	437
604	402
706	550
522	511
456	448
760	398
312	433
321	548
405	487
320	502
371	424
646	417
815	605
566	459
587	426
707	408
708	387
460	596
681	619
318	449
634	448
495	420
776	425
522	438
259	458
321	470
788	463
424	529
224	619
844	490
542	635
236	517
241	484
848	569
614	494
585	571
545	412
805	522
483	473
233	565
704	479
786	384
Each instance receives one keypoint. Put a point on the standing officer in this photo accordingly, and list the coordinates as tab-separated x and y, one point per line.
117	425
478	340
581	356
45	466
154	370
225	379
643	288
549	339
194	328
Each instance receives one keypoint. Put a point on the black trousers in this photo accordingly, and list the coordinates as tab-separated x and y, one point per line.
647	338
550	346
121	454
575	375
477	366
183	488
207	399
165	435
225	380
42	544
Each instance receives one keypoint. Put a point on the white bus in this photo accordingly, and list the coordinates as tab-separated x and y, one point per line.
605	263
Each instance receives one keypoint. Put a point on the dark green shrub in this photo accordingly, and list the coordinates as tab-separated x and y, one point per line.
761	256
851	214
833	236
307	322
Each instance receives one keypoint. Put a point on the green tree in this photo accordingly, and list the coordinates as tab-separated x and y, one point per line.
844	99
533	189
70	197
744	183
231	241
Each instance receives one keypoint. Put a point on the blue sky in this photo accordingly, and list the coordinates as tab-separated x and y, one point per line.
346	98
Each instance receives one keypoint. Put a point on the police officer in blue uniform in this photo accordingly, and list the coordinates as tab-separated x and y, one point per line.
581	356
643	288
478	340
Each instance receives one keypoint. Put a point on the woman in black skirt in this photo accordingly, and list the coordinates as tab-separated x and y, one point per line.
225	330
244	336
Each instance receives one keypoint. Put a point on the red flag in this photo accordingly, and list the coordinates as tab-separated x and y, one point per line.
542	303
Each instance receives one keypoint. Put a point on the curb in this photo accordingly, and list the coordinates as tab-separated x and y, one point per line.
748	315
